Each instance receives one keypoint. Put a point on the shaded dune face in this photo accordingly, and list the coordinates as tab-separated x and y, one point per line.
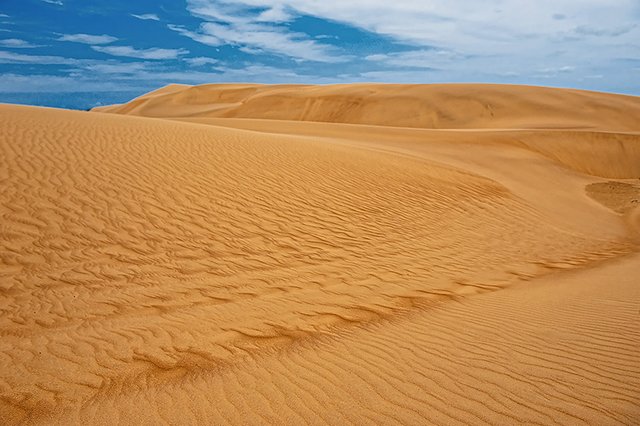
234	263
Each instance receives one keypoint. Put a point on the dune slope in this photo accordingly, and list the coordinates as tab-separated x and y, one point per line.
432	106
255	271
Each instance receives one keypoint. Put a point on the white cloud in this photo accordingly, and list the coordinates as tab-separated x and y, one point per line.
200	61
147	16
423	58
251	50
271	39
458	23
250	73
17	43
556	70
559	42
88	38
101	76
233	13
508	31
110	68
377	57
143	78
232	23
56	2
274	14
55	83
130	52
3	15
588	30
10	58
199	37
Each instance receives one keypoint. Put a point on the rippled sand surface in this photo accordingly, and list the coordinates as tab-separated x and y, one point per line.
354	254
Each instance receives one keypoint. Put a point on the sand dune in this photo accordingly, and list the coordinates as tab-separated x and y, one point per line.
230	263
434	106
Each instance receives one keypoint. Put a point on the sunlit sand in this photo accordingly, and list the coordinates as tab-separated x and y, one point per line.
349	254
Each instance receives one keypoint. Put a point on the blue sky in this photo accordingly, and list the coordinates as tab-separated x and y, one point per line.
79	53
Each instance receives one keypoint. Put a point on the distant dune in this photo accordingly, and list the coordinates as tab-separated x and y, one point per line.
434	106
586	131
351	254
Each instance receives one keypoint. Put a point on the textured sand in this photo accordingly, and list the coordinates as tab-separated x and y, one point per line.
366	254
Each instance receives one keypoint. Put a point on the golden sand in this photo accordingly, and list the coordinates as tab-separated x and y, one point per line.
352	254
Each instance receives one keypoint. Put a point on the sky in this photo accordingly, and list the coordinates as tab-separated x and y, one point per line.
83	53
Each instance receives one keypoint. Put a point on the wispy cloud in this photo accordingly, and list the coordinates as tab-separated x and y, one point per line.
200	61
10	57
588	30
550	42
493	28
274	14
240	25
556	70
144	77
154	53
551	72
272	40
442	22
17	43
11	82
422	58
220	11
147	16
257	73
114	68
88	38
195	36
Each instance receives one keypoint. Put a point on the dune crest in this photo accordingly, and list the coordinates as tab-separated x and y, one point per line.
429	106
589	132
232	264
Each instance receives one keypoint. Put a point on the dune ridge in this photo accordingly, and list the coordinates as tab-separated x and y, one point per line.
197	268
429	106
576	128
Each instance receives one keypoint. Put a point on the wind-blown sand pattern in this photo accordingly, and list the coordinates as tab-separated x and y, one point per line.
365	254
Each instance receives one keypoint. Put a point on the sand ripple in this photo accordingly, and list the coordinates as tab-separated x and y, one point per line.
156	271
